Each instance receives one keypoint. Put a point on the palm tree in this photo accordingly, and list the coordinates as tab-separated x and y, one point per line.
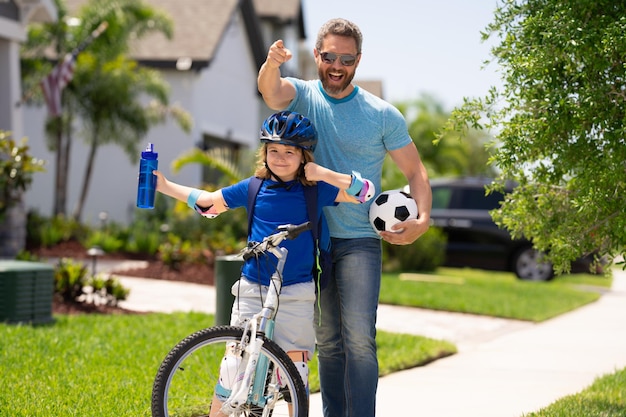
112	112
450	154
107	86
219	159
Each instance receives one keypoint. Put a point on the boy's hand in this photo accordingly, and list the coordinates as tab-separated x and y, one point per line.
161	180
314	172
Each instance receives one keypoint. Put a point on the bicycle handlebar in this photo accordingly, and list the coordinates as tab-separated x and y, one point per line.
292	230
286	231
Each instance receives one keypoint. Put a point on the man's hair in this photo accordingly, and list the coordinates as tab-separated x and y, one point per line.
263	172
340	27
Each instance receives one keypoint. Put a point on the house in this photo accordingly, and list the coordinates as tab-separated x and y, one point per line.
211	65
15	16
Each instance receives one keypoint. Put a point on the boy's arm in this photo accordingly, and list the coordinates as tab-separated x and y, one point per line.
276	91
209	204
352	188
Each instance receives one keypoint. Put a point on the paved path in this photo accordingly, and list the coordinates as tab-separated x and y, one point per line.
519	371
504	368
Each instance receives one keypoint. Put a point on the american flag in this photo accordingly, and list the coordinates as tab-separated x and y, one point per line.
54	83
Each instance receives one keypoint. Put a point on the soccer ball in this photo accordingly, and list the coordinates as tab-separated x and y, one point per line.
391	207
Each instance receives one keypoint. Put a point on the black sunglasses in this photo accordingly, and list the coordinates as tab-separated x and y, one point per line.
346	60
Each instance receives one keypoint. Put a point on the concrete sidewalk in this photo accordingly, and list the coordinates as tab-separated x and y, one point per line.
520	371
504	368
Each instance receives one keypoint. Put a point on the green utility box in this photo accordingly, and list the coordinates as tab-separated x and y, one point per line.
26	291
227	272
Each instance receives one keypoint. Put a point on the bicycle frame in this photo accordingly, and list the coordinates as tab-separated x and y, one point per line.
255	376
250	385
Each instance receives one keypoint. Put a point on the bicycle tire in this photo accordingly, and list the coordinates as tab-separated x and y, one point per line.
185	382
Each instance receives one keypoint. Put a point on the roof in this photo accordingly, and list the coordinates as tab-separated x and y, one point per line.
284	10
198	28
373	86
200	24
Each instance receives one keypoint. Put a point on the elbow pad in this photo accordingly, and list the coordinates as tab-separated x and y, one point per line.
192	203
367	191
207	212
362	189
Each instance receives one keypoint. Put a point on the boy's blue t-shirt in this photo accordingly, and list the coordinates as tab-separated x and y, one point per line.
354	134
276	206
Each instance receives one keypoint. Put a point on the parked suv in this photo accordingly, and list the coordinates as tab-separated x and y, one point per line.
461	209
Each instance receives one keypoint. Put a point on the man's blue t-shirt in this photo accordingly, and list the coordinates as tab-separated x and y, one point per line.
275	206
354	134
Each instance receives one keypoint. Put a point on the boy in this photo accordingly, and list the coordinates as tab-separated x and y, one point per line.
285	164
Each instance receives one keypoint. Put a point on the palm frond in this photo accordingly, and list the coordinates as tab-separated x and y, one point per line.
219	158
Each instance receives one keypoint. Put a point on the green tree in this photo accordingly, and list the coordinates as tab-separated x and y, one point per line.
43	38
220	159
108	90
450	155
560	120
111	109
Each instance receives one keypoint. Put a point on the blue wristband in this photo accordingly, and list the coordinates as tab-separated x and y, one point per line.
193	198
356	184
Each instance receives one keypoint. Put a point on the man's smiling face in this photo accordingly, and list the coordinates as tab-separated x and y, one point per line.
335	76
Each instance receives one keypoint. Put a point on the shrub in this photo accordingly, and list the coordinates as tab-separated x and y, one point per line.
425	254
172	252
27	256
72	283
107	242
224	235
69	279
48	232
106	290
16	170
177	251
144	243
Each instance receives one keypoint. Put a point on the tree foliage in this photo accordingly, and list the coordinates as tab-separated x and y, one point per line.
447	155
117	100
17	168
559	118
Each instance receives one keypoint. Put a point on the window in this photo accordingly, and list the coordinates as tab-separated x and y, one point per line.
441	197
475	199
231	149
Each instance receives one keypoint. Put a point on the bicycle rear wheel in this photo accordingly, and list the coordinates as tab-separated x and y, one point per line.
186	381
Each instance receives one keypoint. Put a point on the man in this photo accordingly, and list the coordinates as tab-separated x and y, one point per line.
356	130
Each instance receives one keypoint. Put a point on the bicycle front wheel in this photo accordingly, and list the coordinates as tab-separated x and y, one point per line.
187	380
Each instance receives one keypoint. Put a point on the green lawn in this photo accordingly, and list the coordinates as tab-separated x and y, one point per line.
496	294
95	365
606	397
104	365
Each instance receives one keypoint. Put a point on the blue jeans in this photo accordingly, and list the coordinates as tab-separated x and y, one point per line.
346	336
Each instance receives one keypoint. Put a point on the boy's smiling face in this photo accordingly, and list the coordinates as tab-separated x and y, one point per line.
284	160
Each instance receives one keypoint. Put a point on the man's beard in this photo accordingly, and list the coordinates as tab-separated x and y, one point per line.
334	90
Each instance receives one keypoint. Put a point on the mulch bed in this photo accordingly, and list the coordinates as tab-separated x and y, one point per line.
195	273
155	269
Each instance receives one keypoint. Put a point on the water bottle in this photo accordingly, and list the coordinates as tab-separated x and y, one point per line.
146	188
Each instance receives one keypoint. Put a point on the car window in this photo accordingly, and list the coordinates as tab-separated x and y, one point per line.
441	197
475	199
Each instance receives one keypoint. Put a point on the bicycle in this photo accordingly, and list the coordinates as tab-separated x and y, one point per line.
256	377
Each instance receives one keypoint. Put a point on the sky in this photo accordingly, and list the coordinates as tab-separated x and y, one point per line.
417	47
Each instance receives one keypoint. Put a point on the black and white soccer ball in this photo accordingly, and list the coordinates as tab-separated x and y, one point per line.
391	207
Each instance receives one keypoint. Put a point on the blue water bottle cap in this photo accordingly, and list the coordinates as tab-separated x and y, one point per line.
149	152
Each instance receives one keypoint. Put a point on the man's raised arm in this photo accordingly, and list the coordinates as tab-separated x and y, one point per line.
276	91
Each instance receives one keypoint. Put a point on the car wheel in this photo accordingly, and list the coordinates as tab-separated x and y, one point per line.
529	265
